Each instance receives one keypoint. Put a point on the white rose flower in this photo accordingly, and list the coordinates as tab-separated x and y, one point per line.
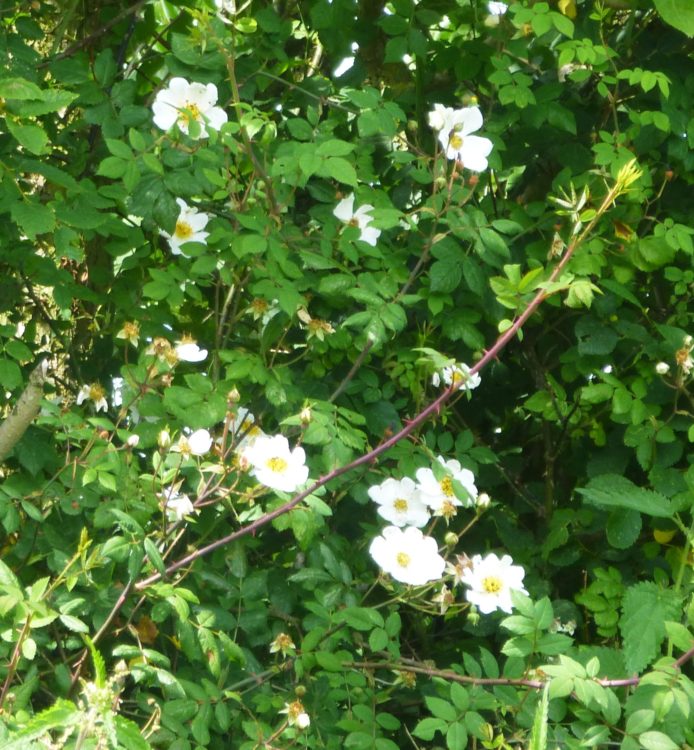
459	373
196	444
182	102
456	139
407	555
399	502
189	227
361	218
176	505
439	495
491	581
274	464
187	350
94	393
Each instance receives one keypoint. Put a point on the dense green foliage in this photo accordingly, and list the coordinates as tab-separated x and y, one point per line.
127	624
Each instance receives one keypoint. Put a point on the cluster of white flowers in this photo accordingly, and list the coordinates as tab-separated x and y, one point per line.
403	502
454	128
411	557
459	374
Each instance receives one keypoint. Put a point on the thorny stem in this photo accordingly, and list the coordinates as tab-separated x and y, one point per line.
446	674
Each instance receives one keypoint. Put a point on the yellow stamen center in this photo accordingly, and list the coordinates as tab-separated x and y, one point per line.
96	392
400	505
353	222
183	230
277	464
191	112
446	485
402	559
492	585
456	141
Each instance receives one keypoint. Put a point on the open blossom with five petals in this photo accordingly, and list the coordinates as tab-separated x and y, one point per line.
439	494
491	581
196	444
177	505
94	393
189	227
361	218
399	502
274	464
182	103
455	128
407	555
459	374
187	350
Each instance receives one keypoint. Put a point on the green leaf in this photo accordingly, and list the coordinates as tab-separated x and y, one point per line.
334	147
426	728
19	88
33	218
129	736
10	374
456	736
538	738
640	721
61	715
657	740
623	528
360	618
614	490
678	13
645	609
440	708
32	137
341	170
154	556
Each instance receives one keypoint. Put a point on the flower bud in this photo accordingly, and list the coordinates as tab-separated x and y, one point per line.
662	368
233	397
164	439
305	416
132	441
451	539
483	501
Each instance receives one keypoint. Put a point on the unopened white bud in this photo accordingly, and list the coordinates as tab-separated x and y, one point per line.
483	500
662	368
132	441
164	439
